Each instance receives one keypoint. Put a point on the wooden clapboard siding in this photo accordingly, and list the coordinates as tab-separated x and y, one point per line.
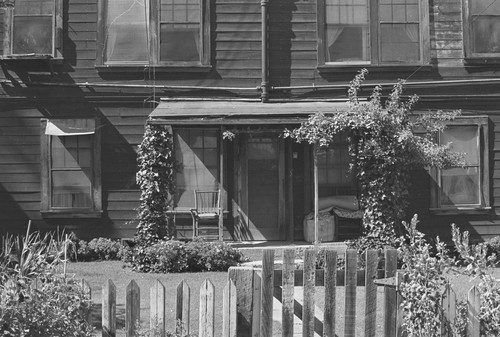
446	32
20	169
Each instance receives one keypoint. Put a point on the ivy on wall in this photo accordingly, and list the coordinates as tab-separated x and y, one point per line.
384	149
156	179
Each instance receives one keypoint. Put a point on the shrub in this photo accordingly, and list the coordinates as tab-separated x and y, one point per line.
476	265
176	257
100	249
55	308
493	247
35	300
424	281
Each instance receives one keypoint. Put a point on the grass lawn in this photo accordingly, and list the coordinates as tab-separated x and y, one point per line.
96	274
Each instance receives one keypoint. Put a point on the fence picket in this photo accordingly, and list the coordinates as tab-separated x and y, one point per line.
132	308
473	299
351	261
448	304
287	293
229	310
267	284
207	310
157	308
309	291
109	309
248	291
370	292
88	292
183	308
330	293
390	302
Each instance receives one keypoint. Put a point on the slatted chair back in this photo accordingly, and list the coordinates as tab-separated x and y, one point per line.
207	202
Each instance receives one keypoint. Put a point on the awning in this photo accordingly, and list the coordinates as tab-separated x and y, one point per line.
70	127
198	112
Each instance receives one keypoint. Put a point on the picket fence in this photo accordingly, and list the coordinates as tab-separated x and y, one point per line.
250	292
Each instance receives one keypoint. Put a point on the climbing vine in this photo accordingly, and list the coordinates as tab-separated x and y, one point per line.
156	179
384	149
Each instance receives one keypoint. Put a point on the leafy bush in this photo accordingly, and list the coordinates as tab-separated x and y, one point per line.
493	247
477	263
100	249
424	281
176	257
55	308
35	299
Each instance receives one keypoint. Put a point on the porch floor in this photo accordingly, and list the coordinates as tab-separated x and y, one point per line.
253	249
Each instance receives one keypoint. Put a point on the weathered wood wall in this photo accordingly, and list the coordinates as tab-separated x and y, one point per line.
236	61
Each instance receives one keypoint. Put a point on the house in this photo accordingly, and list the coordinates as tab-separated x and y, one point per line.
81	78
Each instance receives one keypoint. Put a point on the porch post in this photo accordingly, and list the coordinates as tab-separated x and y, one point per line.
315	156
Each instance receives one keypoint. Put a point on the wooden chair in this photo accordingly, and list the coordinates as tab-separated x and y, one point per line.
207	215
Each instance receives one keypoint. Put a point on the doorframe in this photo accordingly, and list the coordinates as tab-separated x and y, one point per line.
241	201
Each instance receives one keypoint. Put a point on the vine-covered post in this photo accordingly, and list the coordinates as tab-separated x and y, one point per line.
156	179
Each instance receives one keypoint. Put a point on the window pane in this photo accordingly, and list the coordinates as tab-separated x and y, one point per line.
71	152
460	186
32	34
463	139
71	189
34	7
126	31
486	34
199	164
180	30
400	42
179	43
346	30
485	7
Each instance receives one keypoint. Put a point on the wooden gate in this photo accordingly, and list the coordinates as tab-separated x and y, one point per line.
257	289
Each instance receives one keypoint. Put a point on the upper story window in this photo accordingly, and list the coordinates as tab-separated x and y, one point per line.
373	32
34	28
463	189
482	28
158	32
71	169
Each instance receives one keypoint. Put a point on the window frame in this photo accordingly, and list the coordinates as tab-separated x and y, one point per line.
374	39
469	55
484	184
57	33
47	209
154	43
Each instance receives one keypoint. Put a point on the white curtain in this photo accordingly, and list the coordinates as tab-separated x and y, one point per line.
332	34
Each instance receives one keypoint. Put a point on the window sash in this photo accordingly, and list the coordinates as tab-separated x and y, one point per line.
70	190
35	27
377	50
457	190
189	47
486	43
71	172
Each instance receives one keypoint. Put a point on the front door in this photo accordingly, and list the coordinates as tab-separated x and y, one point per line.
260	179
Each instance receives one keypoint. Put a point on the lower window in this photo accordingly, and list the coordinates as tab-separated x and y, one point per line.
71	167
465	188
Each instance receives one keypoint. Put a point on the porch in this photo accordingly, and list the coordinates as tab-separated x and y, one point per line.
266	181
